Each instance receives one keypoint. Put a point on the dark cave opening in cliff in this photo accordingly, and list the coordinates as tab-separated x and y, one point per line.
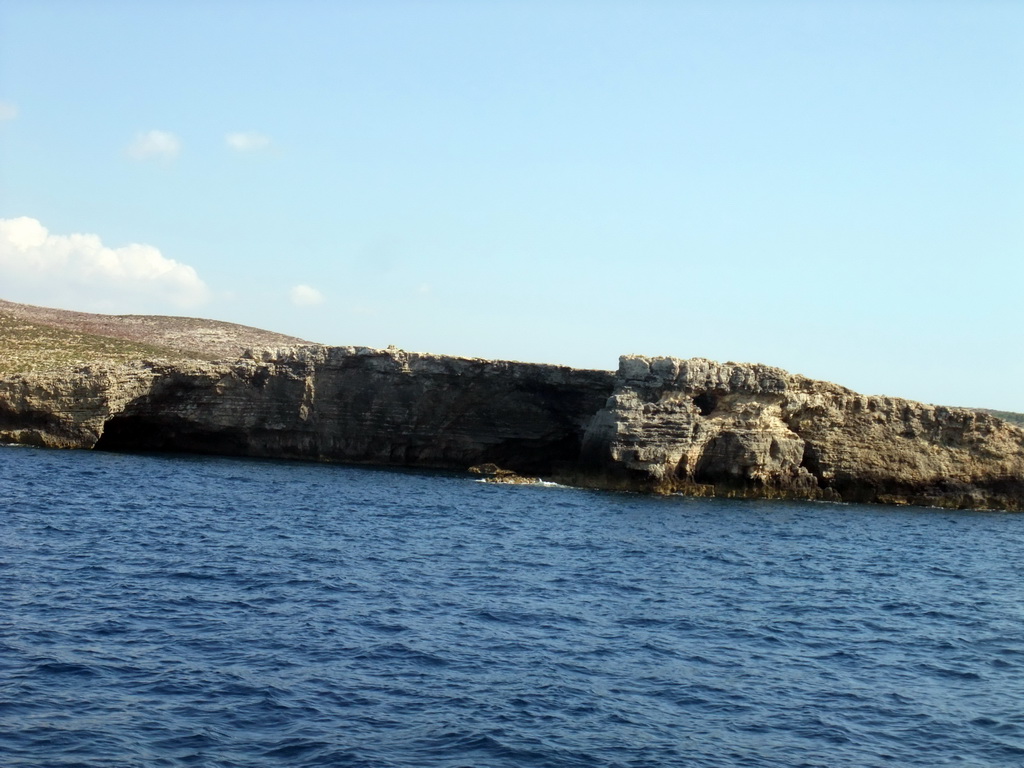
142	433
706	403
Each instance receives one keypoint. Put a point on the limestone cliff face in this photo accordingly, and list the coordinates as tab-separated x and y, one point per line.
750	430
67	409
365	405
659	424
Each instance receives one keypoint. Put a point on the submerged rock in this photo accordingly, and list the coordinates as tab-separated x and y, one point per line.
492	473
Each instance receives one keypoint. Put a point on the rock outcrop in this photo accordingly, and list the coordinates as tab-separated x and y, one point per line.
706	428
350	404
68	409
658	425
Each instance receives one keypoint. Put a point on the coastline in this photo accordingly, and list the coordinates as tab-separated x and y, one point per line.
656	425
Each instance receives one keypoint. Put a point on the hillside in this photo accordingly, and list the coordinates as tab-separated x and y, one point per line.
39	338
1010	416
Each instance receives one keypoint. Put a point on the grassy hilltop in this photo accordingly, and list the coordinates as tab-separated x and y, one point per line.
40	339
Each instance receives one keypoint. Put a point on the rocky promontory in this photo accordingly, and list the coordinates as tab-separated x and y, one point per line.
659	424
706	428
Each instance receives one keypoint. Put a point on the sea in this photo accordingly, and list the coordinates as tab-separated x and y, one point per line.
170	610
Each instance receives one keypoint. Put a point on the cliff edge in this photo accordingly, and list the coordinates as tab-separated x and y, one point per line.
706	428
658	424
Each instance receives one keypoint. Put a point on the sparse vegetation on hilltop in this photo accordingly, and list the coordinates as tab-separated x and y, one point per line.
29	347
39	338
1010	416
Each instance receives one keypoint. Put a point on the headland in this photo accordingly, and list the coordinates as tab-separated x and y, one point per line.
656	424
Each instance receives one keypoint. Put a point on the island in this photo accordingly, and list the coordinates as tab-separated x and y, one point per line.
656	424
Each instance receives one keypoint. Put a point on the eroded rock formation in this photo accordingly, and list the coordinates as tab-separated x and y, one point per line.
707	428
658	424
350	404
68	409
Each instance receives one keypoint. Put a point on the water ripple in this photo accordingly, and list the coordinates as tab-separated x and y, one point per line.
187	611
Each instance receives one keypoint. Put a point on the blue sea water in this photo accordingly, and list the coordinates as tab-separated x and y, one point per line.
196	611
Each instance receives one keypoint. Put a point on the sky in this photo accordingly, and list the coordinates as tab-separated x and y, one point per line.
834	188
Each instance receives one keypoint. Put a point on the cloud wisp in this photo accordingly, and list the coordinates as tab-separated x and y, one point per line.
62	265
159	145
305	296
247	142
8	111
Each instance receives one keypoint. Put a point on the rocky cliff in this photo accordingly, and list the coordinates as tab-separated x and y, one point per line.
658	424
350	404
356	404
68	409
706	428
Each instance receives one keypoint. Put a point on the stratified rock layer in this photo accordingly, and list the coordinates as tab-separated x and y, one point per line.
658	425
363	405
68	409
707	428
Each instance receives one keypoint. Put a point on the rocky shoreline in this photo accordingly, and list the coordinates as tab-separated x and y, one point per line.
657	424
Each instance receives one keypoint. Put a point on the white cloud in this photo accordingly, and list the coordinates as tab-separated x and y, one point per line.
8	111
80	265
158	144
305	296
247	142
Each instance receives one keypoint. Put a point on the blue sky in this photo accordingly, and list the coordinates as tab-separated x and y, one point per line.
833	188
